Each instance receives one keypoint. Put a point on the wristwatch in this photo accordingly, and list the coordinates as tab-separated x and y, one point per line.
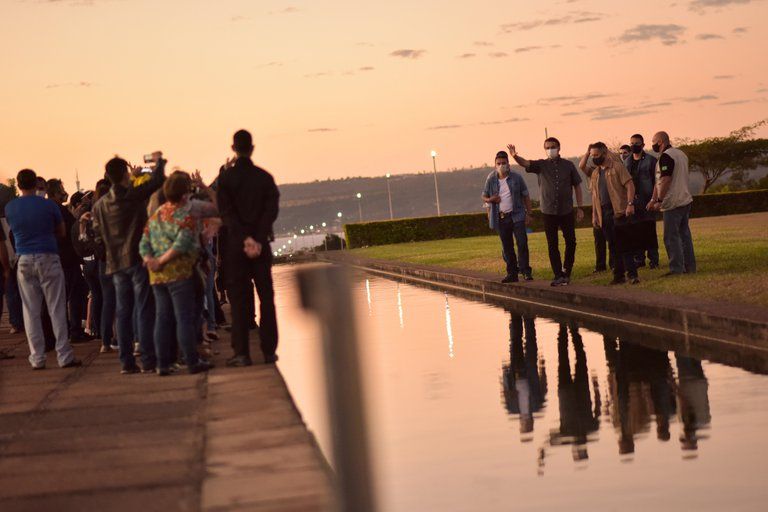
631	203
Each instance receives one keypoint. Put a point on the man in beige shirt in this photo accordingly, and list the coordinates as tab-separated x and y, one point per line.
613	209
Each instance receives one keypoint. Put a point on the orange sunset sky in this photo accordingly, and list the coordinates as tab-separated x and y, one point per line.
334	88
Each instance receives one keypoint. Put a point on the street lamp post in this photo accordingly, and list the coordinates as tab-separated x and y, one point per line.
341	229
389	197
434	169
360	205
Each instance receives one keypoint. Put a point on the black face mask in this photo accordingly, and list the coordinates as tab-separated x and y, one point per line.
598	160
637	149
656	148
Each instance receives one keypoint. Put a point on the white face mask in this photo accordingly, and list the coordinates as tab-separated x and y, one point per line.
40	193
553	152
502	169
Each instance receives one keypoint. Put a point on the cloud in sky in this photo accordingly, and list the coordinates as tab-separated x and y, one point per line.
366	68
444	127
527	49
288	10
723	77
408	53
505	121
466	56
571	100
498	55
707	37
696	99
322	130
69	84
668	34
698	5
572	17
482	43
740	30
736	102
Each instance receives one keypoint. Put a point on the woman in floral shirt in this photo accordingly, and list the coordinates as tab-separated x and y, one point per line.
170	248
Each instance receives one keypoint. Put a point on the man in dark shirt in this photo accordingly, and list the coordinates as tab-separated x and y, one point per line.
248	202
559	180
76	288
642	168
118	223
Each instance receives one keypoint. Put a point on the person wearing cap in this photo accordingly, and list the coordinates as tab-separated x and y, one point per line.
510	212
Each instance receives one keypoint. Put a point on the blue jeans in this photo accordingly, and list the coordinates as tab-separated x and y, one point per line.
175	303
108	306
91	275
13	299
132	294
510	232
678	240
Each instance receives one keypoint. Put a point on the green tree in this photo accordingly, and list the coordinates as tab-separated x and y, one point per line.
716	157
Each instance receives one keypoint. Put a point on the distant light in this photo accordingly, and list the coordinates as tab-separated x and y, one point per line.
338	215
434	153
290	241
324	224
275	253
295	237
388	175
302	231
359	195
311	227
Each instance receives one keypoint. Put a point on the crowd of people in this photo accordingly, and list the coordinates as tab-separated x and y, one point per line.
143	263
628	188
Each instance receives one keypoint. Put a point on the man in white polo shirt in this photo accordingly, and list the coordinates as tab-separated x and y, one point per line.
673	197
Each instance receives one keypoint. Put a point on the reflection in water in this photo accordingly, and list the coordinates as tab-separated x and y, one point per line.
368	295
692	400
400	306
524	379
448	327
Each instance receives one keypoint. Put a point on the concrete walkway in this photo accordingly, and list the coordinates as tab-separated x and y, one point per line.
91	439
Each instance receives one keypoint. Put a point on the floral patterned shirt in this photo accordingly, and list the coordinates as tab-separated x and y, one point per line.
172	226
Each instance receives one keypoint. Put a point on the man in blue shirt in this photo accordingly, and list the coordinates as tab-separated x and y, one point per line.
36	223
507	194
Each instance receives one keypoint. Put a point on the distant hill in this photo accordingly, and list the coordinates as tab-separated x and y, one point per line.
413	195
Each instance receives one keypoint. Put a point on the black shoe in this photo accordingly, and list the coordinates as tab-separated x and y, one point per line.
528	277
151	369
618	280
239	361
510	279
200	367
81	338
566	280
634	280
558	281
599	270
163	372
41	367
75	363
270	358
128	370
670	274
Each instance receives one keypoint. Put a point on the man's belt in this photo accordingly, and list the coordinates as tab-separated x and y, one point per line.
504	214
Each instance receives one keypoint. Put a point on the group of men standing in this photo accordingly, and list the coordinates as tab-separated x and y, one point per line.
627	190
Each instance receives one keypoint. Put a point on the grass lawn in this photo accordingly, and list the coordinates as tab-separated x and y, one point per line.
731	256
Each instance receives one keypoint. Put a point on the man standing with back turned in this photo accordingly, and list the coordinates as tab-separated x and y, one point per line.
559	180
248	202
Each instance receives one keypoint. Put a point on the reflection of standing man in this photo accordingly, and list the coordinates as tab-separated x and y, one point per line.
577	417
692	399
524	383
559	181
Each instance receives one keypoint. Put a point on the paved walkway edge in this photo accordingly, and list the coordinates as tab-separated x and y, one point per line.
716	323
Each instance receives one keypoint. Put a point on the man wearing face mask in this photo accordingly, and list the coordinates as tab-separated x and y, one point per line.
672	196
41	187
559	180
510	211
642	168
613	195
601	244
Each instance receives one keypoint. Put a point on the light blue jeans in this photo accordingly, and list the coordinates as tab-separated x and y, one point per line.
678	240
42	277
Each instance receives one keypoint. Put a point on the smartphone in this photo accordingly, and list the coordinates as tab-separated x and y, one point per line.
149	158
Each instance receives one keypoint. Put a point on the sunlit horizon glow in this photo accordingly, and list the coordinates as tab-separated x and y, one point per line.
333	88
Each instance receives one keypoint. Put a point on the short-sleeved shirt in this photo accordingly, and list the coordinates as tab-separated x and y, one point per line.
558	177
33	221
172	226
518	191
602	185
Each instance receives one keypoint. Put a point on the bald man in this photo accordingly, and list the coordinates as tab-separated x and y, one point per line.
673	198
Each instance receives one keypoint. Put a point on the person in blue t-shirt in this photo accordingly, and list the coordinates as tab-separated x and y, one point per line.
36	223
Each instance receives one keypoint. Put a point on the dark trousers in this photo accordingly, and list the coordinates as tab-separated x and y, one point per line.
13	298
624	262
566	224
77	298
242	274
108	306
509	233
601	250
133	300
175	319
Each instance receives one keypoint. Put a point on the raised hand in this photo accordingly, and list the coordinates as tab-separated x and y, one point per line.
512	151
197	180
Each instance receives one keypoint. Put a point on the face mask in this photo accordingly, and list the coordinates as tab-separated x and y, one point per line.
40	193
598	160
656	148
503	169
553	152
637	149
